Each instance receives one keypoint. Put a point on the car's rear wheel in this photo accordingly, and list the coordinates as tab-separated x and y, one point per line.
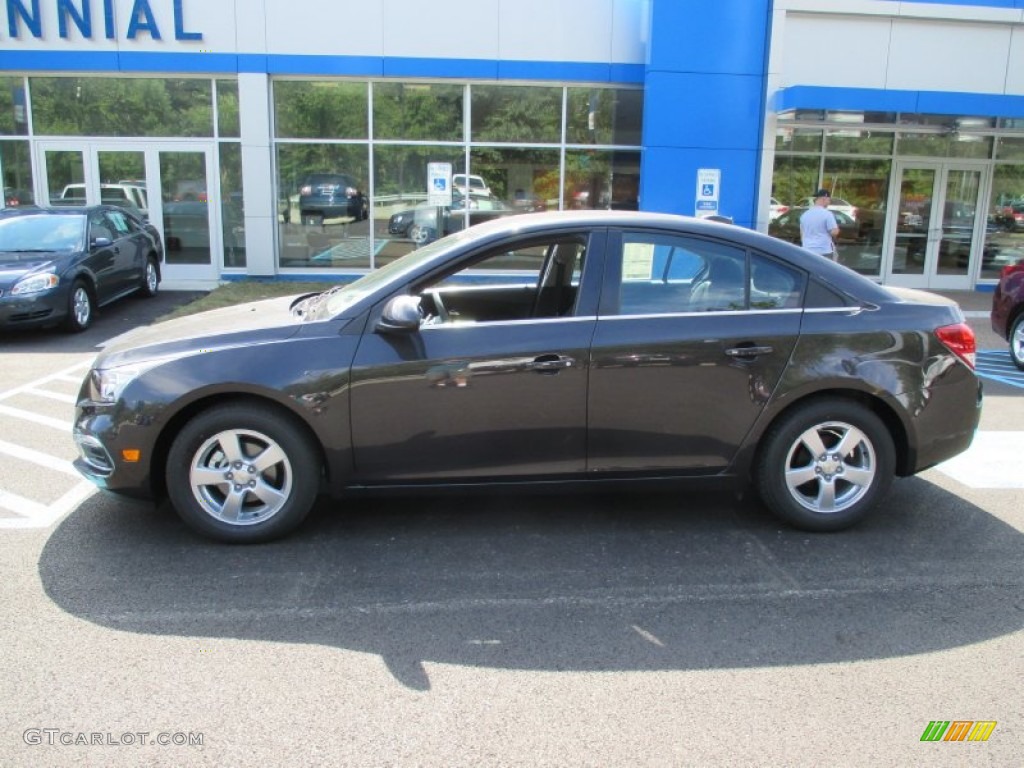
243	473
150	279
81	307
1017	342
824	466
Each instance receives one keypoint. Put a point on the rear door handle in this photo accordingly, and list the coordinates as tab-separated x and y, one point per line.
746	352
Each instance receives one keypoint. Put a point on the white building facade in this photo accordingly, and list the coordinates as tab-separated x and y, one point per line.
296	139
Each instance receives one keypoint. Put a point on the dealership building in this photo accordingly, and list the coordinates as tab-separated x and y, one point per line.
310	140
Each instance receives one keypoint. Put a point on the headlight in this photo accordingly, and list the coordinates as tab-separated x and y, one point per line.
107	384
43	281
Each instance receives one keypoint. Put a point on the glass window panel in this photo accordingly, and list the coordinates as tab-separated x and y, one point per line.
923	144
93	106
228	124
17	172
794	179
860	189
232	204
790	138
13	115
402	218
516	113
320	110
1010	148
323	208
1004	237
415	111
523	179
604	116
859	142
183	189
602	179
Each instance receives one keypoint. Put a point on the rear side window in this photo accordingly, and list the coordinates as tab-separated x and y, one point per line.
668	274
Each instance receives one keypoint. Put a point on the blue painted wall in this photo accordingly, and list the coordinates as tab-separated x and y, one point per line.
704	103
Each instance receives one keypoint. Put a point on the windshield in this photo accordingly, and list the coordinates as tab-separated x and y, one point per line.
345	297
42	233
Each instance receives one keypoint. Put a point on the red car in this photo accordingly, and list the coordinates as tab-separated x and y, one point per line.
1008	310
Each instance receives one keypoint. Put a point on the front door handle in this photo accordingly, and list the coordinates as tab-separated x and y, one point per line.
748	352
550	363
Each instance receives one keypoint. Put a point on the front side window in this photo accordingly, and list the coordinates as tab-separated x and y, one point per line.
534	280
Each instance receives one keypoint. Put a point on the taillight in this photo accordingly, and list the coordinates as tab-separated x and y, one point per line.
306	190
1010	269
959	339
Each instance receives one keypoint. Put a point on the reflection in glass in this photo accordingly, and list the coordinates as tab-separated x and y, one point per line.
418	111
13	114
323	207
320	110
915	209
516	113
958	217
524	179
401	214
101	106
859	190
604	115
795	139
183	190
1004	237
232	204
228	124
952	144
65	178
123	180
17	169
598	179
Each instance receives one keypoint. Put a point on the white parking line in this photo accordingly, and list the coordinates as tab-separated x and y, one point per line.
32	514
38	457
58	396
46	421
992	462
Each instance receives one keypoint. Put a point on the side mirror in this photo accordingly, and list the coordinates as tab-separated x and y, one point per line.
402	313
101	242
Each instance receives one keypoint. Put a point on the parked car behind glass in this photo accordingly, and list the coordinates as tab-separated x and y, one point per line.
58	265
330	196
568	348
1007	315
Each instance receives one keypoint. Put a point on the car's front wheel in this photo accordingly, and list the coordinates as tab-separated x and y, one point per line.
81	307
1017	342
243	473
825	465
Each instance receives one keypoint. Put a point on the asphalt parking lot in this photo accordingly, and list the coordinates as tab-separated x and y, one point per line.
601	629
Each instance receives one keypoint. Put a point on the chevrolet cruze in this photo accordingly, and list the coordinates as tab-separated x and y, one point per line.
569	349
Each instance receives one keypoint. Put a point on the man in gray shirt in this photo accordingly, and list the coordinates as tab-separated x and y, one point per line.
818	227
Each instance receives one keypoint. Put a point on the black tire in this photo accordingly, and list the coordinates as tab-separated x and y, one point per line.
150	279
839	487
220	488
1017	342
81	307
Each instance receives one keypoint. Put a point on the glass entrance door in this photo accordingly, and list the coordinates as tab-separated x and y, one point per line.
166	184
936	234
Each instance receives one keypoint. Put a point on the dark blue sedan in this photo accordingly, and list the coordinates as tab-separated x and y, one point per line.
57	266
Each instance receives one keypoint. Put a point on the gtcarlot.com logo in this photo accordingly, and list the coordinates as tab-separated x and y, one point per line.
958	730
54	737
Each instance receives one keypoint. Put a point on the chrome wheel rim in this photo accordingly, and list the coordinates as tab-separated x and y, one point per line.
830	467
241	477
81	307
151	281
1017	343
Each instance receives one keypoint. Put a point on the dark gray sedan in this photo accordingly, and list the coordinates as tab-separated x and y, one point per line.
58	265
546	349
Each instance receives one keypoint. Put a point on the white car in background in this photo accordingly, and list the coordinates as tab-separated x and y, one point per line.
776	209
474	186
836	204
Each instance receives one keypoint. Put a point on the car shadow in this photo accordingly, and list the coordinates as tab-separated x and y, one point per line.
648	581
110	321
